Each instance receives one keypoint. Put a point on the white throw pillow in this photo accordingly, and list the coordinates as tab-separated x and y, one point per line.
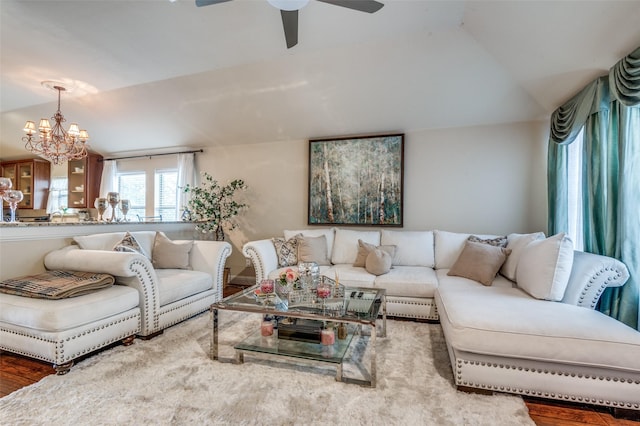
413	248
517	243
327	232
345	244
104	241
545	266
108	240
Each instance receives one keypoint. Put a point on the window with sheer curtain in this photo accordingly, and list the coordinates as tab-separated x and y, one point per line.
594	178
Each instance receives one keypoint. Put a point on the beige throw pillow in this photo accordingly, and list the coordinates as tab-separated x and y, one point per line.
313	249
169	254
479	262
365	248
378	262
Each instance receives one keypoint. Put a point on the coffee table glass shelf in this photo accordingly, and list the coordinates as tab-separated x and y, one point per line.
358	308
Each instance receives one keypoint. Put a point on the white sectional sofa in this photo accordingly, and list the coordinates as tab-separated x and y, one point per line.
533	330
175	279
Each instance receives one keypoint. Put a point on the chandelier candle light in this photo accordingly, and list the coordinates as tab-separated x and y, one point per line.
55	143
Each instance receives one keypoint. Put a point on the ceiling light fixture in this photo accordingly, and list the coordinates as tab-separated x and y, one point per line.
55	143
288	4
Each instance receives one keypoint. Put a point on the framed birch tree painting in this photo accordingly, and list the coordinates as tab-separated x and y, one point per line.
356	180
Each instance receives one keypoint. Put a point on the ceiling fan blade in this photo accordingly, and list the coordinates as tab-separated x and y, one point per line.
200	3
290	24
369	6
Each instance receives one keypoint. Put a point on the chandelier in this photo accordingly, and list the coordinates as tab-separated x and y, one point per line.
55	143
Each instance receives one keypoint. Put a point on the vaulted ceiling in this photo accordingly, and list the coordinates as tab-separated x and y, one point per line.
156	75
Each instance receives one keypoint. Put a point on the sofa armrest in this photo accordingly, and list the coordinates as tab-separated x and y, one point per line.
262	254
130	269
590	275
210	257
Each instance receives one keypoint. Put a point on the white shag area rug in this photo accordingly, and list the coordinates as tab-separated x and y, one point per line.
170	380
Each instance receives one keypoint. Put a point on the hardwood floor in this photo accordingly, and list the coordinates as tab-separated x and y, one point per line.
17	372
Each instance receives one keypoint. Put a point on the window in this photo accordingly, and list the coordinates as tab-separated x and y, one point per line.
150	192
166	186
574	190
131	186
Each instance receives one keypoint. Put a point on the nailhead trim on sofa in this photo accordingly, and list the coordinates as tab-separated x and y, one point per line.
576	398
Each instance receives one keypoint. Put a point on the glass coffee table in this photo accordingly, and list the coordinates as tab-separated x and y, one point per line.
297	316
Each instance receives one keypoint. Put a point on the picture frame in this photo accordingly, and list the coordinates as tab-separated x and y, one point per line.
356	180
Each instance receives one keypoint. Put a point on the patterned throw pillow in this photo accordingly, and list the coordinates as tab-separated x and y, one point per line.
287	250
129	244
496	242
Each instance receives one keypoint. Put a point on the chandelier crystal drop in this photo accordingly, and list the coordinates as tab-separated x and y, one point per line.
55	143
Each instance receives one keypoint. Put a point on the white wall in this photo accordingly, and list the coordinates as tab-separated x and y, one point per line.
488	179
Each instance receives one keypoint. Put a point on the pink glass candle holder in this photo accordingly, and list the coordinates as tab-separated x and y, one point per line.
323	291
267	286
266	328
327	336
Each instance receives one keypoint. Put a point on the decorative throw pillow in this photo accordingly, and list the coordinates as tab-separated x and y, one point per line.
129	244
365	248
545	266
286	250
479	262
169	254
517	243
496	242
378	262
313	249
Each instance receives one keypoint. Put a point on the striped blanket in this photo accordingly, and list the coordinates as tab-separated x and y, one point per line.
56	284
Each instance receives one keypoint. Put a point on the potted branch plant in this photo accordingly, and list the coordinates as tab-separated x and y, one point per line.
213	207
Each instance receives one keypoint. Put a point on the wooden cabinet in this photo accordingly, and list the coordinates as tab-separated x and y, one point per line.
84	181
32	177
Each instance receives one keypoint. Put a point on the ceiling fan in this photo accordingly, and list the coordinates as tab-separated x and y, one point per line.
289	11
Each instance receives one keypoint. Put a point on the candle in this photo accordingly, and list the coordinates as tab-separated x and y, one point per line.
266	286
327	336
266	329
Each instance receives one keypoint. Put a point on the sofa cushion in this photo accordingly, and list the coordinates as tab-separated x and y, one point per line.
129	244
316	232
64	314
479	262
176	284
413	248
108	240
378	262
516	243
350	276
365	248
505	321
286	250
345	244
408	281
448	246
169	254
313	249
545	266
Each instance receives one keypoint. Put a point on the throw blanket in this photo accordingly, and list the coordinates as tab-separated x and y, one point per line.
56	284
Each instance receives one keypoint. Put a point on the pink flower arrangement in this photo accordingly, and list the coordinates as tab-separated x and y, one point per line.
288	276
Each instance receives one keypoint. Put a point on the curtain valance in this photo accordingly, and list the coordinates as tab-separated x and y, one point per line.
624	79
622	84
